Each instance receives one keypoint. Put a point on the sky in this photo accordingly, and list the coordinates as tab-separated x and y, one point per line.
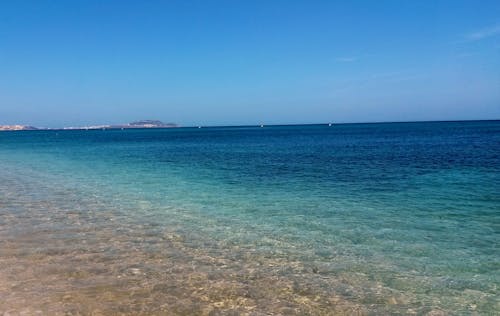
88	62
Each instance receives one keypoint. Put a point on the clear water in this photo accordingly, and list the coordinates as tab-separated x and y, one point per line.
399	218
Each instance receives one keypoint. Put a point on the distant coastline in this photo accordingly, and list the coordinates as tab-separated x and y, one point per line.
17	128
131	125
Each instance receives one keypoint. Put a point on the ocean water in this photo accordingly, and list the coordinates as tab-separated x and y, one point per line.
399	218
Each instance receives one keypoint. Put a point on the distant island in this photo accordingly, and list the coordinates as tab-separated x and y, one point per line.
136	124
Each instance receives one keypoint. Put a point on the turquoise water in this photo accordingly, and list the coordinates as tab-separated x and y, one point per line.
354	218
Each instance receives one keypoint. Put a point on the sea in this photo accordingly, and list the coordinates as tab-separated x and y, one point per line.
348	219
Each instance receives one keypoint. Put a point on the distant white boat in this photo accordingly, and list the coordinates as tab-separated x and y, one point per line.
261	125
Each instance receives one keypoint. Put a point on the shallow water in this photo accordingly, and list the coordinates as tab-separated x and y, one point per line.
353	219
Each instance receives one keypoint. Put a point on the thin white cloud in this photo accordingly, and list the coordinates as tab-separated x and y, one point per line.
484	33
346	59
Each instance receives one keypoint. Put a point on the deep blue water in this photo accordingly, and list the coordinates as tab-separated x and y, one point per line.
389	217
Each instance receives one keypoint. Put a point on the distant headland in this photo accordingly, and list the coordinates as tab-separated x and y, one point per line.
135	124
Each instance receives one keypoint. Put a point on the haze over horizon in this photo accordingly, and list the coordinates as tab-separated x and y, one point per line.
234	63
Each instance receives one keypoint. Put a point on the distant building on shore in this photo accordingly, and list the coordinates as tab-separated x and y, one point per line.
149	124
17	128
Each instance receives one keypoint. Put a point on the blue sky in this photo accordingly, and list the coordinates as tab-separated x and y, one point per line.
79	62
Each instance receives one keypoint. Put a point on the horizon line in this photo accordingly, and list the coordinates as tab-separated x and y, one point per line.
110	127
